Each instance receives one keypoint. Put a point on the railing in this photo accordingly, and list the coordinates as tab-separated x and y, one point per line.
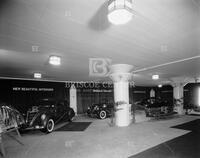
10	119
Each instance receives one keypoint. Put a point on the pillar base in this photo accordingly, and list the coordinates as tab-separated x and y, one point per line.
179	110
123	115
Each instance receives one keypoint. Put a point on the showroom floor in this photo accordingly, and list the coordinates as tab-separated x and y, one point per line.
101	140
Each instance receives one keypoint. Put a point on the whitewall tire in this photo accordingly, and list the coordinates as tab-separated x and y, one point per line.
102	114
49	126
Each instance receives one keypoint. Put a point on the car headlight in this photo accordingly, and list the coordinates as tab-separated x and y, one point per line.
43	116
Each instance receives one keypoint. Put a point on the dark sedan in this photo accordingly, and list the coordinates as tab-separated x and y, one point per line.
192	109
157	108
46	114
101	110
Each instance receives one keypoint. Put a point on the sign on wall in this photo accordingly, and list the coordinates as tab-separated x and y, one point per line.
32	89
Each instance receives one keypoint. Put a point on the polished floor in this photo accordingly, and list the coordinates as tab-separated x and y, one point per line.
148	139
185	146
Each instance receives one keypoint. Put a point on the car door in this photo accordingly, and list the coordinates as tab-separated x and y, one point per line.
60	109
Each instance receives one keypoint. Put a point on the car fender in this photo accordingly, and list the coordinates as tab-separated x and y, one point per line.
37	120
104	109
71	113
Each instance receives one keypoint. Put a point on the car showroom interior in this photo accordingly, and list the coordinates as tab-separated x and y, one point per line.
100	78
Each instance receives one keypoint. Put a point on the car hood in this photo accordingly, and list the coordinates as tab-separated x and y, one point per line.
158	104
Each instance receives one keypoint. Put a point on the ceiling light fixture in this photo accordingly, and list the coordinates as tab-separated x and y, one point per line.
119	11
37	75
54	60
155	77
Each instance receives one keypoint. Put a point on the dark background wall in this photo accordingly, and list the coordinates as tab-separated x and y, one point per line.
23	94
137	93
88	96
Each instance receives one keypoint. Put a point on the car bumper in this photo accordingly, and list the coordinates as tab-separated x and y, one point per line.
33	128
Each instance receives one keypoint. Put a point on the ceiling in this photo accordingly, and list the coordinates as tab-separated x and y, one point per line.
163	37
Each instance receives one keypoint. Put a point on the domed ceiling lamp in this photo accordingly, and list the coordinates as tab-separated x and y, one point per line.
37	75
54	60
119	11
155	77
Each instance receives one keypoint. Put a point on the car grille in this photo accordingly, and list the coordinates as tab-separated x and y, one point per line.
30	116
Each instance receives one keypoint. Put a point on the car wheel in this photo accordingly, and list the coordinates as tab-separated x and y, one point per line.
102	114
49	126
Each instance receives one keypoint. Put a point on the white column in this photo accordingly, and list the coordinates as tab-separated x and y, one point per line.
178	98
120	75
121	91
73	98
178	84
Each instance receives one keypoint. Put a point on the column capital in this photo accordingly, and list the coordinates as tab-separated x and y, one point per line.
120	68
121	72
179	81
121	77
177	84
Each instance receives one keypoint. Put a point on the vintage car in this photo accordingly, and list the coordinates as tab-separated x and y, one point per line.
101	110
192	109
157	107
46	113
140	104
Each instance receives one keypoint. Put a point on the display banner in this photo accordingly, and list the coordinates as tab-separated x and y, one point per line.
23	94
32	89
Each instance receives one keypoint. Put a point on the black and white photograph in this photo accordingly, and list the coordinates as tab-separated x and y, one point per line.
99	78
